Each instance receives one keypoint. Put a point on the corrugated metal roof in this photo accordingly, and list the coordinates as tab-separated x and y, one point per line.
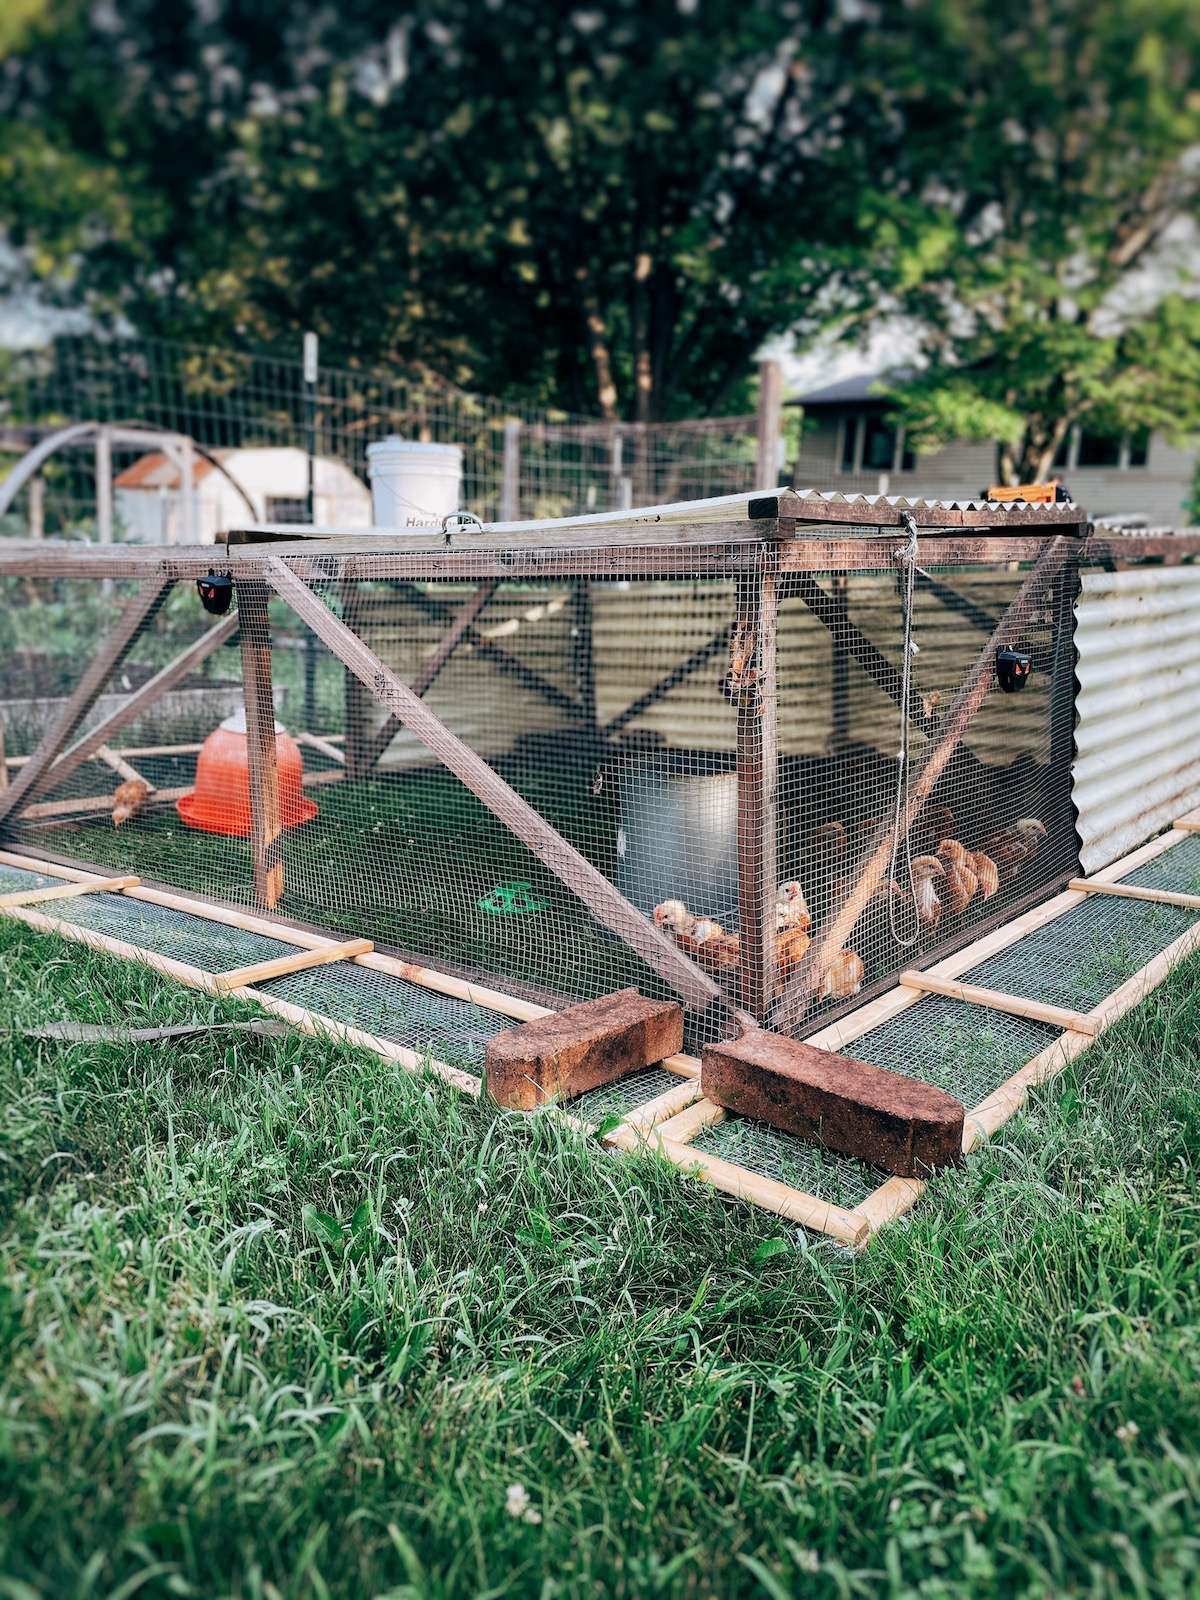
1138	732
848	391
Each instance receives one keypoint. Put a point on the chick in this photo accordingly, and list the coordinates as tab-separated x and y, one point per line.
791	908
927	871
672	916
958	890
845	976
1012	847
952	853
790	948
128	799
986	874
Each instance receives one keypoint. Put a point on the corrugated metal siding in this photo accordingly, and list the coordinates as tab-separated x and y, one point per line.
1138	733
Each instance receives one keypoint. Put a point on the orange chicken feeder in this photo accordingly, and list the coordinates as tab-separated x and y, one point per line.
220	802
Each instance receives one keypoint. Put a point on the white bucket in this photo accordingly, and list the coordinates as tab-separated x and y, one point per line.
413	485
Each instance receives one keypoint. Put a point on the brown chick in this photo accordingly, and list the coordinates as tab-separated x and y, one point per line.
712	947
790	948
845	976
958	890
128	799
986	874
1012	847
953	853
927	872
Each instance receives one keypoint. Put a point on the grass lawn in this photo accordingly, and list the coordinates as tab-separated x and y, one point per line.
277	1320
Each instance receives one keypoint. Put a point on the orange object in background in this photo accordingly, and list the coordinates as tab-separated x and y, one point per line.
220	802
1033	494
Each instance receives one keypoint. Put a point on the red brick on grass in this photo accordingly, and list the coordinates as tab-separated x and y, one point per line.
889	1120
581	1048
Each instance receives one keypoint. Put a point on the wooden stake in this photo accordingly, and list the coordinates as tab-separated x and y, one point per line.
266	825
1133	891
1014	1005
65	891
36	773
605	902
755	687
296	961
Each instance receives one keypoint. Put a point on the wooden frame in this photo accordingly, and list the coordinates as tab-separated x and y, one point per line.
266	821
758	785
1133	891
630	1134
63	891
604	901
1014	1005
806	981
136	705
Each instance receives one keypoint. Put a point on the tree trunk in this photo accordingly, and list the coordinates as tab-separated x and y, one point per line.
606	388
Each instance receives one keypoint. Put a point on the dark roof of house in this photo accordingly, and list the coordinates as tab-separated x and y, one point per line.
852	391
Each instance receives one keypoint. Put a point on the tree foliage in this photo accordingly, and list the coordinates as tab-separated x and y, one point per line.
610	207
1045	164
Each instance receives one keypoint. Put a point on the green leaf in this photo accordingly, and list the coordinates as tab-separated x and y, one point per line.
323	1226
769	1248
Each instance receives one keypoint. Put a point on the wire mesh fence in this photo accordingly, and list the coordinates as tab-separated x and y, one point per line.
172	443
681	775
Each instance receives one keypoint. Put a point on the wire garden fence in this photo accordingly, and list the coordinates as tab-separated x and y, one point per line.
243	428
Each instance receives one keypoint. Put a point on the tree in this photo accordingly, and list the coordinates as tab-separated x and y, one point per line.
1046	159
607	207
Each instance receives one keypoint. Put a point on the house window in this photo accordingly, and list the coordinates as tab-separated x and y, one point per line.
1098	449
871	444
849	443
1082	448
285	508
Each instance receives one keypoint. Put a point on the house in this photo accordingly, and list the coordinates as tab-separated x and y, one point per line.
849	442
148	505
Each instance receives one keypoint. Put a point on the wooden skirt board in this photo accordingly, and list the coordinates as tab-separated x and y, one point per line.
672	1119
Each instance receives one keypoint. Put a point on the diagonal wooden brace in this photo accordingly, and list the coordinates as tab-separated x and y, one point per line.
606	903
137	704
87	691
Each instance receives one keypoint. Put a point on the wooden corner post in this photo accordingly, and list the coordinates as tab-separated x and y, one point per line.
753	687
266	826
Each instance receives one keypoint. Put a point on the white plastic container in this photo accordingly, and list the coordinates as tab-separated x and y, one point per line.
413	485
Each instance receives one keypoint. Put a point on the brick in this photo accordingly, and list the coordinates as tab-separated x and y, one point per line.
581	1048
889	1120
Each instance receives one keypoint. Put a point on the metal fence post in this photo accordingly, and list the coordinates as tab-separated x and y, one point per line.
311	356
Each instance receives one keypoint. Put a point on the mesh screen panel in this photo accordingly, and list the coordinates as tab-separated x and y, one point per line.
965	1049
789	1160
1177	869
1082	956
626	1095
712	743
391	1008
14	879
211	946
